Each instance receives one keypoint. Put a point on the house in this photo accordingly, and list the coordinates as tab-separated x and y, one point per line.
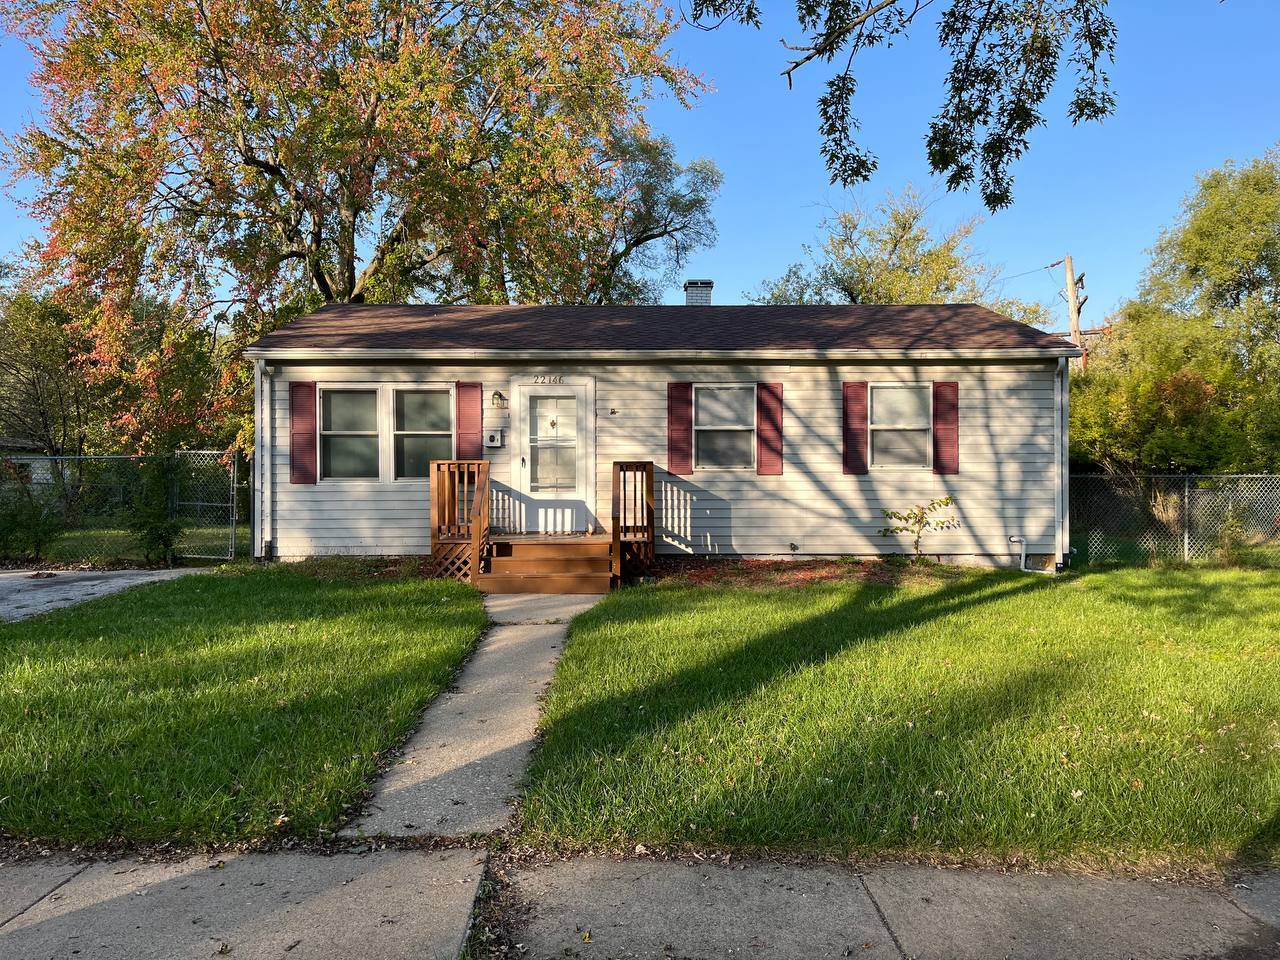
26	459
695	429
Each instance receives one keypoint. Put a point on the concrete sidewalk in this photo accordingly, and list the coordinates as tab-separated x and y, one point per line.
596	907
389	905
23	594
460	771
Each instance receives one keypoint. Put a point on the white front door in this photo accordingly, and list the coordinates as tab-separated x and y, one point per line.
553	455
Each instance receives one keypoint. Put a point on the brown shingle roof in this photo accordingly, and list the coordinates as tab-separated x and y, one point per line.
963	327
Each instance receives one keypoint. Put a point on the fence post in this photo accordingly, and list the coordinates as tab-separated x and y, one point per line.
1186	519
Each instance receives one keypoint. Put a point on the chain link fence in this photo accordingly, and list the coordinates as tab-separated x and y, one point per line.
1139	519
84	509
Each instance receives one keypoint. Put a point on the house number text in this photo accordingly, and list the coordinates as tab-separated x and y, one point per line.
548	378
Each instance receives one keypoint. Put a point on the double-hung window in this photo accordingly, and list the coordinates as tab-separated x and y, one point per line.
423	430
349	434
724	427
900	425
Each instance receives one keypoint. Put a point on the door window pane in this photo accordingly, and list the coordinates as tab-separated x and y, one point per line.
553	418
900	448
725	406
414	453
349	457
553	444
725	448
900	406
349	411
553	468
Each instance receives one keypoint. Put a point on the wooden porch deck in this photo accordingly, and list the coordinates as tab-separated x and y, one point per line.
465	547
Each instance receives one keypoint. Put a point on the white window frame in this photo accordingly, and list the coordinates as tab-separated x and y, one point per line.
755	411
445	388
321	432
872	427
385	390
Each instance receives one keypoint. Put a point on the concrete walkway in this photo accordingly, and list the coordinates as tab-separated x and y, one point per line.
389	905
461	769
595	907
22	594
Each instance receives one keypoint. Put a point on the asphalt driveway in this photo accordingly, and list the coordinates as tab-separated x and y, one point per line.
28	593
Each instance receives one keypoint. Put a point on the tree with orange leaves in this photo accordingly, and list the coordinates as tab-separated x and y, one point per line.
229	157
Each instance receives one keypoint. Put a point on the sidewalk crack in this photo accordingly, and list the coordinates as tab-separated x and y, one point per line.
883	919
52	890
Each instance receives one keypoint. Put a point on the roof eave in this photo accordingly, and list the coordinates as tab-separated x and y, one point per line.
301	354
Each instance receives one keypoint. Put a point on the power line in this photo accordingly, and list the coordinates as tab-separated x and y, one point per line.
1024	273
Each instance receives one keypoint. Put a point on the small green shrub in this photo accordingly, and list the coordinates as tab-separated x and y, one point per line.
919	520
1230	548
153	524
30	517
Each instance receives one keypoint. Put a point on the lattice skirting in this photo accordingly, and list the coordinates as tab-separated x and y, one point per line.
451	560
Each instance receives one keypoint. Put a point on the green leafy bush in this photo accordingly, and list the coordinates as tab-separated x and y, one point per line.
919	520
30	514
1231	541
153	523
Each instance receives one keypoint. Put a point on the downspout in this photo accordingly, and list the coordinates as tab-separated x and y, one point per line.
263	448
1022	557
1064	454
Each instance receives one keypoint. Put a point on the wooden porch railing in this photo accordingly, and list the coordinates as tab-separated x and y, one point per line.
633	523
480	520
459	516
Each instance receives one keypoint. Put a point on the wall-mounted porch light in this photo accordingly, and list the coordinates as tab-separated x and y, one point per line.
498	400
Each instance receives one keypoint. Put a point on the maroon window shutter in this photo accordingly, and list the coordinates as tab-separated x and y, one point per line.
469	423
302	432
769	429
946	427
680	428
854	424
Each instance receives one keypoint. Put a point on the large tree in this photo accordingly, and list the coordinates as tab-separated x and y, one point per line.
1190	378
1005	58
205	143
234	157
42	401
658	212
893	253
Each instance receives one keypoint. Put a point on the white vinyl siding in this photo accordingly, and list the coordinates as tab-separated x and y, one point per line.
1006	485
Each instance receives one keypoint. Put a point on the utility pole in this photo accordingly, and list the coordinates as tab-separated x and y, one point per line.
1074	303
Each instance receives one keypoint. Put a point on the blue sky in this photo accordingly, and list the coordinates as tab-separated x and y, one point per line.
1196	83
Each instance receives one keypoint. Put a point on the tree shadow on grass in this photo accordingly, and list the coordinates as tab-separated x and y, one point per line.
1189	595
746	668
610	725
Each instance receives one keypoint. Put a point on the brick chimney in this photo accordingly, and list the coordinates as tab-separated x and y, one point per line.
697	293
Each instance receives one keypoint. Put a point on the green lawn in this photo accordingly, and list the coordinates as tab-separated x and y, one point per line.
117	544
229	706
1122	716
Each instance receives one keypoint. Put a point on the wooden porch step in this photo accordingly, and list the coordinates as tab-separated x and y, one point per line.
542	582
548	565
566	549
